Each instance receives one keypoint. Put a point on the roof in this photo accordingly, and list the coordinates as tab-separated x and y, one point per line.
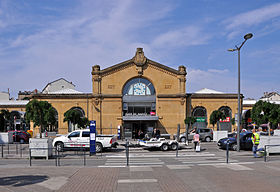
13	102
56	81
249	102
65	91
208	91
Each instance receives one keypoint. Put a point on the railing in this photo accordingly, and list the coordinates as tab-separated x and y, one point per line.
18	149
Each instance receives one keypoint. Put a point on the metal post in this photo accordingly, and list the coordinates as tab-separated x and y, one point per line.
265	153
2	150
58	159
178	135
30	157
8	148
84	156
16	148
55	157
20	150
227	150
127	152
238	117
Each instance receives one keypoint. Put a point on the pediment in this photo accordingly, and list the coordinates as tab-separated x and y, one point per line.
140	61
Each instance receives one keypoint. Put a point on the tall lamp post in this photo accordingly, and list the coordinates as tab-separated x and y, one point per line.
246	37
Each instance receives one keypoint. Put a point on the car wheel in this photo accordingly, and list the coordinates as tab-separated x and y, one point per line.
183	139
21	141
234	147
59	146
164	147
207	139
174	146
98	147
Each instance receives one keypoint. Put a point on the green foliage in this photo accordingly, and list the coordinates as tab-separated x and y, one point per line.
5	119
76	118
41	113
190	120
232	121
264	112
216	116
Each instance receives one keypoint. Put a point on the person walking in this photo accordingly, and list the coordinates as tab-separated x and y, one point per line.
255	140
196	141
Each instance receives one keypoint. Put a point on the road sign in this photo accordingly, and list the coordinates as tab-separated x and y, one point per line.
92	127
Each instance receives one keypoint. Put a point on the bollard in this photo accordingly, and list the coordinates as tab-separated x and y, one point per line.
30	157
227	150
84	157
127	152
178	135
265	153
58	159
2	150
16	148
8	149
55	157
20	150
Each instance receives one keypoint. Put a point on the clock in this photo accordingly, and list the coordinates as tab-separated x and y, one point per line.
139	89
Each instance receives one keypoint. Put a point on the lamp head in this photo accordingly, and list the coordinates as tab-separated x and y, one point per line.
231	50
248	36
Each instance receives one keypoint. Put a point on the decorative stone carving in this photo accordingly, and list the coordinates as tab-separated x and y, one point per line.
140	60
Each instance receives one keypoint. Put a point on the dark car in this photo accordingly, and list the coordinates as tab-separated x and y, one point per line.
245	142
21	136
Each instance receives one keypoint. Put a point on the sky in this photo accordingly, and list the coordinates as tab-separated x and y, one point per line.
42	41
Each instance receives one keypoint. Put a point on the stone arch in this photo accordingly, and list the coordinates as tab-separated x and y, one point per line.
200	113
136	81
71	126
225	125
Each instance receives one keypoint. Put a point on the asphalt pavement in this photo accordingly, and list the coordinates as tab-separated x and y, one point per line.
147	170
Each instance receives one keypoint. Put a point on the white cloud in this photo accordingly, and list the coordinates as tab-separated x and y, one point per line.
253	17
187	36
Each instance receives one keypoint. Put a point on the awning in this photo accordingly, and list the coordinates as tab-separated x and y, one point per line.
140	118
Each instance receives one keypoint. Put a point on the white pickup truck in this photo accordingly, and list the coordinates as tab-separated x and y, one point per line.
80	138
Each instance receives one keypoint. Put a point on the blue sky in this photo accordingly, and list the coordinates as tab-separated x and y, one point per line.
41	41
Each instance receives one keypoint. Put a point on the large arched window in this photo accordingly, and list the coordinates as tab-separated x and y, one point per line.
200	114
139	86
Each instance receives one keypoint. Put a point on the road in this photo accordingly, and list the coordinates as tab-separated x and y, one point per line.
147	171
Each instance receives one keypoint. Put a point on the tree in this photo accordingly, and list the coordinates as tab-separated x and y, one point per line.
215	117
5	117
76	118
265	112
40	113
190	121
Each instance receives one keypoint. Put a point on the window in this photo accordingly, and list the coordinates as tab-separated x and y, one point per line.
139	86
85	134
75	134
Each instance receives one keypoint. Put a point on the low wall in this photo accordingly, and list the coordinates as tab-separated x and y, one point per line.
6	137
217	135
270	140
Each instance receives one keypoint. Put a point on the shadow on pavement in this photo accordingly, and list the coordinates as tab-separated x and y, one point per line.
18	181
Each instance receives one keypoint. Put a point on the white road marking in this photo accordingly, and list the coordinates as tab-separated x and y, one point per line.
127	181
178	166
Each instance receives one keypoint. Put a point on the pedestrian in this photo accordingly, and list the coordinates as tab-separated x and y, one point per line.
256	140
196	140
157	133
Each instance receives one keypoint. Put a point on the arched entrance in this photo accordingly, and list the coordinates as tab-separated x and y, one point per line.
139	107
225	125
71	126
200	113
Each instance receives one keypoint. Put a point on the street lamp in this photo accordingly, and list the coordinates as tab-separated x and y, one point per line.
246	37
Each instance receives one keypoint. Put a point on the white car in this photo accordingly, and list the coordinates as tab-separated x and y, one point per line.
80	138
161	143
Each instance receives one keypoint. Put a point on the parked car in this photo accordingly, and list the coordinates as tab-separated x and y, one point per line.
20	136
245	142
80	138
205	134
